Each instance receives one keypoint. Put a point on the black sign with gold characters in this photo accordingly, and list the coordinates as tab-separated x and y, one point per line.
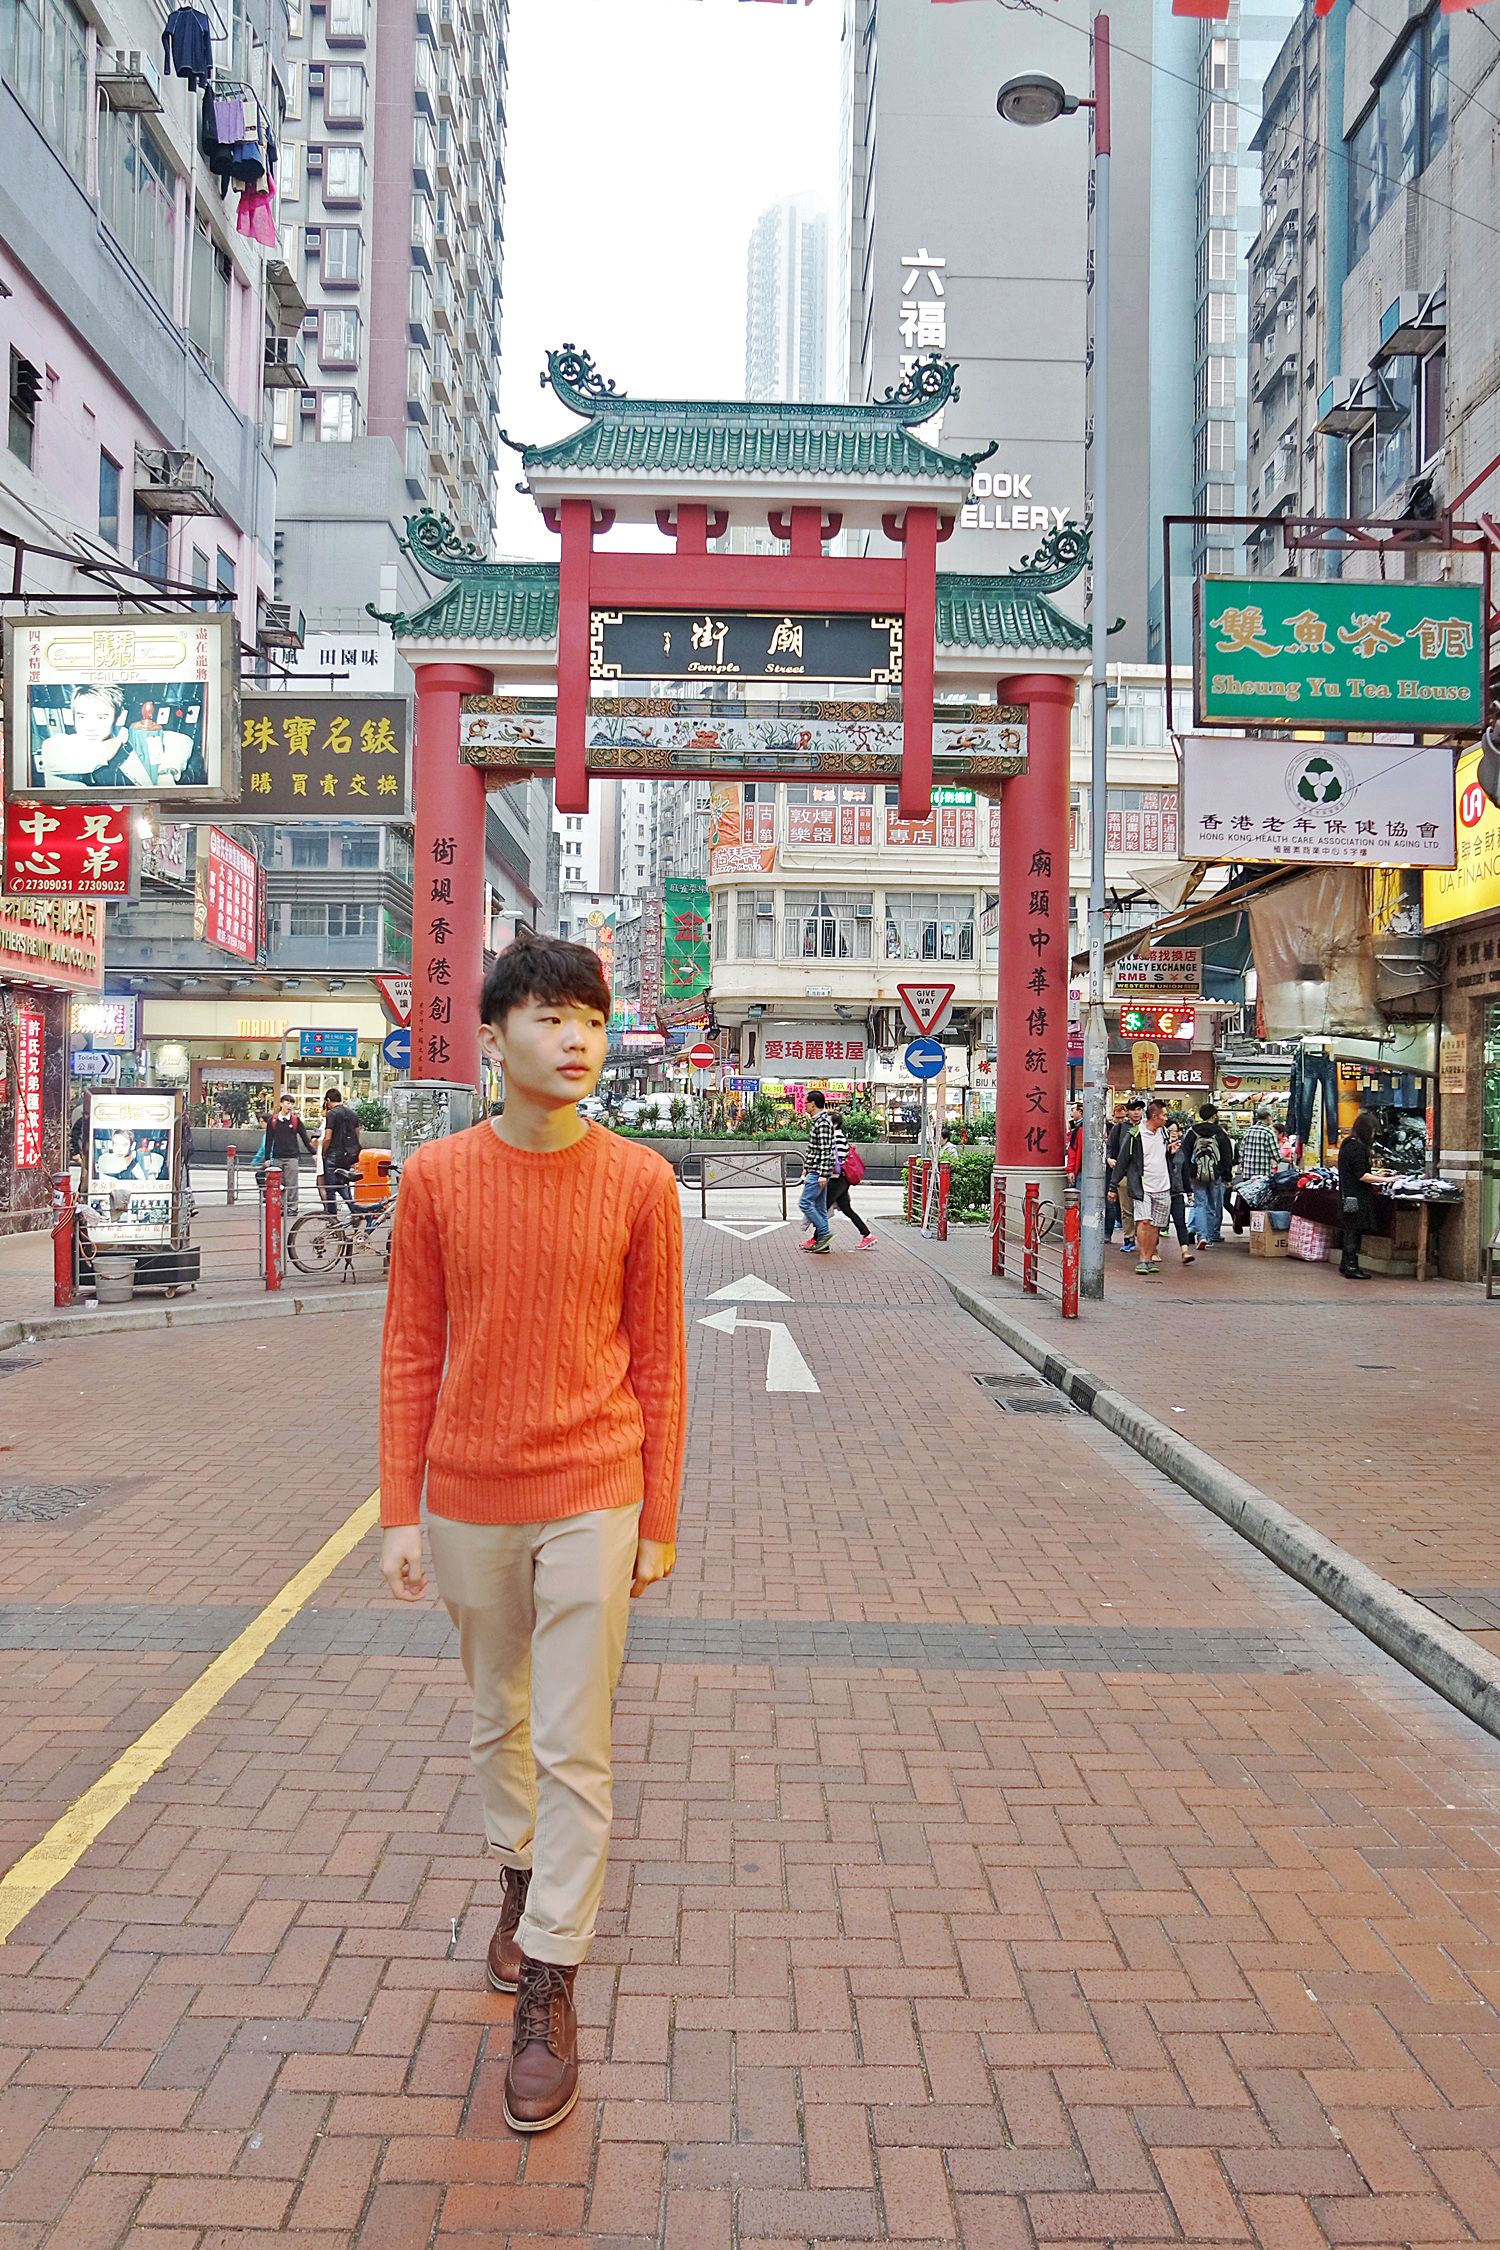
323	757
729	644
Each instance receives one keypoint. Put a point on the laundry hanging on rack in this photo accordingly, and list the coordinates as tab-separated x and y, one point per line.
187	46
254	216
231	108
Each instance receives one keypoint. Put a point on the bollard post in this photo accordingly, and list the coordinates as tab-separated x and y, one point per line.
945	1186
1070	1254
231	1170
64	1241
273	1226
1029	1222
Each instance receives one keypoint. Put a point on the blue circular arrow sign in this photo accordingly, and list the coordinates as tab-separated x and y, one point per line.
924	1058
396	1048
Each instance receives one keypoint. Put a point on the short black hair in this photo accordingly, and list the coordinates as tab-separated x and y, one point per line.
817	1099
1207	1113
538	968
333	1093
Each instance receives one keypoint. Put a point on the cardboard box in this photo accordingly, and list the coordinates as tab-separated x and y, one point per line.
1266	1241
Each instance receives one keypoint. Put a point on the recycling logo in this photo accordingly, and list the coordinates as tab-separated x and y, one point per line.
1319	780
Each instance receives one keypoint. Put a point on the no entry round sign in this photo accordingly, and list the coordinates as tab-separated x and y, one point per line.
702	1058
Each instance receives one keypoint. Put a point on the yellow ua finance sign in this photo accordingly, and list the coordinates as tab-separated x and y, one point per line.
1473	886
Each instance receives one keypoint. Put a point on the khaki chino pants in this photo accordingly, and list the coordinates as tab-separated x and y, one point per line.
541	1611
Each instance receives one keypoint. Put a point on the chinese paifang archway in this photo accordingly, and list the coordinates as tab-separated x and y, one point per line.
694	660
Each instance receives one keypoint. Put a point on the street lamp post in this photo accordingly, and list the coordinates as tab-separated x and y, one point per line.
1037	101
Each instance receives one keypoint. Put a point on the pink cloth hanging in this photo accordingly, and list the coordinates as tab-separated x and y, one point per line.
254	216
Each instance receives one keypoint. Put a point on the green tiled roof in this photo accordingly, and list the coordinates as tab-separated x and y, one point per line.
517	601
697	437
976	611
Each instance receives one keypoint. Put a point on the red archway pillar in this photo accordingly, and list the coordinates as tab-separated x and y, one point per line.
1031	1001
447	911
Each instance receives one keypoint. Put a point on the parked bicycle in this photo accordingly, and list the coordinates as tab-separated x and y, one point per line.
322	1241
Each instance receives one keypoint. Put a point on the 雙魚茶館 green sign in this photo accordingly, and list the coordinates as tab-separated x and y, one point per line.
1309	652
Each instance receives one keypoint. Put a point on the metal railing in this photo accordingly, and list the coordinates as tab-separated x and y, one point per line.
1036	1244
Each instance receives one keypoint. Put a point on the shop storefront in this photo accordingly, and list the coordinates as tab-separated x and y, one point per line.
49	949
1464	905
227	1056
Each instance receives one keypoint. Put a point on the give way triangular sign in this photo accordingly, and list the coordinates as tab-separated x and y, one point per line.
927	1007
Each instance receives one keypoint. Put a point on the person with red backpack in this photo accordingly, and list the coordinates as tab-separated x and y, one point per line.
851	1170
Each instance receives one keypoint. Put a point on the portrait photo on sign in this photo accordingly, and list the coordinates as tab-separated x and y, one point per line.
131	1158
131	708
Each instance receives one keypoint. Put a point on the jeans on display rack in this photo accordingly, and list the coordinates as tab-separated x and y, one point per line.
1309	1072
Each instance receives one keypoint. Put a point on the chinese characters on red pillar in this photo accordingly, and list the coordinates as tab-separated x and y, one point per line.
1046	982
438	1005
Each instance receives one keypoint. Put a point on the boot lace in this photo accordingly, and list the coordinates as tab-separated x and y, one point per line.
542	1983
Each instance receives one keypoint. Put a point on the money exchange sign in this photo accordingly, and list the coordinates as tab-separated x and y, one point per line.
327	757
1312	652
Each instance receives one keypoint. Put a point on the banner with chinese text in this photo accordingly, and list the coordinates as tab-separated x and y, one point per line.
685	951
226	905
1354	804
1311	653
52	941
68	851
324	757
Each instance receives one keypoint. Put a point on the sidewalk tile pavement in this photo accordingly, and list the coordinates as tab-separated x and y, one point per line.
1005	1854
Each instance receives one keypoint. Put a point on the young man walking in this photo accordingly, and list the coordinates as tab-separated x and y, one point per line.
533	1371
819	1167
1144	1167
1207	1168
339	1148
1118	1150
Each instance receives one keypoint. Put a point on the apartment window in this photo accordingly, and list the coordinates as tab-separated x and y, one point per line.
829	925
309	848
200	576
109	499
336	417
340	261
423	239
1362	475
1222	312
296	79
296	20
148	545
338	336
1220	127
208	309
1401	131
1223	191
417	464
344	94
1221	380
224	572
360	851
929	926
755	925
136	197
1221	70
418	383
25	390
1221	255
42	55
418	300
283	409
346	19
343	175
1395	426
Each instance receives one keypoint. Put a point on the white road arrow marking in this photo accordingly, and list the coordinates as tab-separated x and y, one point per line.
786	1369
749	1290
747	1230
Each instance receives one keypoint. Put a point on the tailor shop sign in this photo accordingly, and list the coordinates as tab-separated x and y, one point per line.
1310	653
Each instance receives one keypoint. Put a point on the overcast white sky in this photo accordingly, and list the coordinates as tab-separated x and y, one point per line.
644	139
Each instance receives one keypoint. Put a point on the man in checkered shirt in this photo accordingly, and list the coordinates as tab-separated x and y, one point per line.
1259	1153
821	1163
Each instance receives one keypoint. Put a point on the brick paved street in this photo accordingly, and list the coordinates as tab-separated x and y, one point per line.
1366	1411
1006	1855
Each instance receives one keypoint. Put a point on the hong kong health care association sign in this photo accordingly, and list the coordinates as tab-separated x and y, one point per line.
1314	653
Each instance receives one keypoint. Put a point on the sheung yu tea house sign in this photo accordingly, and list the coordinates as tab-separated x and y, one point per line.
1318	653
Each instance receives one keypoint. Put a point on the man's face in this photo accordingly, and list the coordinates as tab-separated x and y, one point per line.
1154	1116
93	717
551	1050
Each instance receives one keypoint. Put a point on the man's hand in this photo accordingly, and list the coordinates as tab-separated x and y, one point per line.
653	1560
401	1562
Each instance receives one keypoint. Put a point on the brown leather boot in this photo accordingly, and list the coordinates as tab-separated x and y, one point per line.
504	1960
541	2081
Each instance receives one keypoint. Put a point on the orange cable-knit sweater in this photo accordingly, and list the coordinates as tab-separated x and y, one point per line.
551	1284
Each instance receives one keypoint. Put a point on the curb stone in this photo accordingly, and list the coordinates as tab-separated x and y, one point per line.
269	1306
1445	1659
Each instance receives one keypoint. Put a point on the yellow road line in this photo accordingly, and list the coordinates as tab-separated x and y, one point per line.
44	1866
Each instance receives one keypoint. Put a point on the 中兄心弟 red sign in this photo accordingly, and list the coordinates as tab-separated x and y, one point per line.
67	851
